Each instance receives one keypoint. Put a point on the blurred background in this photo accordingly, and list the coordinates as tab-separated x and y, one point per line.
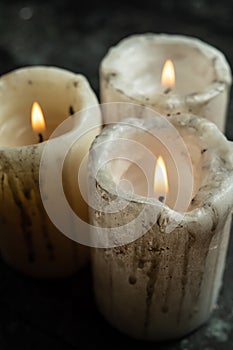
76	35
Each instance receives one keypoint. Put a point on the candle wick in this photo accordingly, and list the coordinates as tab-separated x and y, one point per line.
41	138
71	110
161	199
166	91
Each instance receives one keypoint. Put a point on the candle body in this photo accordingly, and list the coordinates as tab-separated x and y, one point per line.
131	72
164	284
29	241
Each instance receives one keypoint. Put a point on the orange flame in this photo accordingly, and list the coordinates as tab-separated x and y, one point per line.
37	118
168	75
160	178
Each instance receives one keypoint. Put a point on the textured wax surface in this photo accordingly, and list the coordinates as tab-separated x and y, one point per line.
165	283
62	314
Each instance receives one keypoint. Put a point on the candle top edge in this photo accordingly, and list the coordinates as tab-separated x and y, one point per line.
112	74
219	191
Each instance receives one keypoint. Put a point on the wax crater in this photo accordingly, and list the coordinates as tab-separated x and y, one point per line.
144	76
131	72
56	99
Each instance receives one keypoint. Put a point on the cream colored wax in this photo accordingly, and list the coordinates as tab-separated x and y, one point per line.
131	72
165	283
28	239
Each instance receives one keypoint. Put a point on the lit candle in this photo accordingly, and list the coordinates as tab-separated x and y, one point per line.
152	282
28	239
131	72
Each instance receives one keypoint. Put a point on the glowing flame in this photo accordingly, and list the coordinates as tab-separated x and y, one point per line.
37	118
160	178
168	75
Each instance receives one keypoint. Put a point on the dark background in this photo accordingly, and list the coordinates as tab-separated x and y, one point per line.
37	314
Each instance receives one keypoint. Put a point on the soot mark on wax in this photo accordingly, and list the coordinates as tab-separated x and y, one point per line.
184	279
71	110
25	220
171	269
132	279
27	193
155	259
2	183
167	91
109	76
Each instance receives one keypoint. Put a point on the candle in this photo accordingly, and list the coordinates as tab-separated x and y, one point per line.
157	270
28	239
131	72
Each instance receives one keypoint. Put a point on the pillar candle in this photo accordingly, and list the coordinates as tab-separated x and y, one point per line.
157	270
132	72
28	239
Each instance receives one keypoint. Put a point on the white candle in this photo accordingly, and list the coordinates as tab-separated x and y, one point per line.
28	239
131	72
165	283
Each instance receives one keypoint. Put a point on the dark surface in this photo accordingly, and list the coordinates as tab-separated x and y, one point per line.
62	314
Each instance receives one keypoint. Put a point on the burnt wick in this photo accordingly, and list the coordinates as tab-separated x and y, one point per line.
161	199
41	138
71	110
167	90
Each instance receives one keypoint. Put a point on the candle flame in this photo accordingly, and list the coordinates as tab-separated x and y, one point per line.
37	118
160	178
168	75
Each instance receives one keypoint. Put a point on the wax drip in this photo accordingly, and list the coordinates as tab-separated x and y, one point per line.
25	220
152	275
184	279
26	223
142	254
215	270
2	183
220	233
41	211
206	242
152	278
171	269
133	276
200	268
48	242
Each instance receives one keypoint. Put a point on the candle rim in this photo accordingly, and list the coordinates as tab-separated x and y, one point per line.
106	182
220	66
26	75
